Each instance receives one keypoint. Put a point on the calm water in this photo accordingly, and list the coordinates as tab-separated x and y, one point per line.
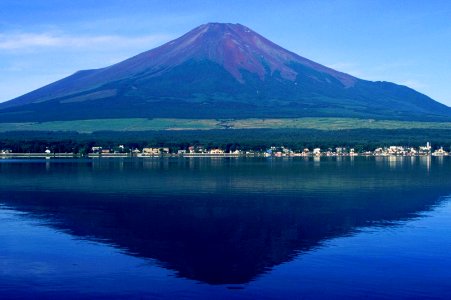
226	228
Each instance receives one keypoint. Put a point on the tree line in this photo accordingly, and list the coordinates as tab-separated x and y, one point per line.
227	139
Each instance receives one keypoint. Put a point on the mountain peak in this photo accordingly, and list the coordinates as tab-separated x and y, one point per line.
219	70
238	48
234	46
222	25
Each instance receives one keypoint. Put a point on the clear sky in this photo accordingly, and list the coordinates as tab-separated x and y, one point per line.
404	41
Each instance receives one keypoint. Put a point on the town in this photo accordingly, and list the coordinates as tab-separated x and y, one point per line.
202	151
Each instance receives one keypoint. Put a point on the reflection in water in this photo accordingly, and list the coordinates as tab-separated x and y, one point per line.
223	221
426	162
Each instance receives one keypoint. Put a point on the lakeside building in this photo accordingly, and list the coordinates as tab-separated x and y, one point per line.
96	149
440	152
155	151
273	151
216	151
317	151
197	149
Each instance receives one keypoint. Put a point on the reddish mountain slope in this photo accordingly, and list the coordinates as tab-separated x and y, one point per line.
210	70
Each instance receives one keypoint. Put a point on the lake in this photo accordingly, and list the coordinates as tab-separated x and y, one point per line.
307	228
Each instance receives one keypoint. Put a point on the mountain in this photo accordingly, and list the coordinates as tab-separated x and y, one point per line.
219	71
181	217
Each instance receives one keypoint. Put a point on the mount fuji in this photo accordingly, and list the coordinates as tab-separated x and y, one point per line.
219	71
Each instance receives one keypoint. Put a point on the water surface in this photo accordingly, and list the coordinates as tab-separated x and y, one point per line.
226	228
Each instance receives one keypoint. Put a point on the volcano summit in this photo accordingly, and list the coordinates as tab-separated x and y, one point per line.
219	71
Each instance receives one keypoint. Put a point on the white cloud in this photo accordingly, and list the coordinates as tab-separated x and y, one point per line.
57	54
30	41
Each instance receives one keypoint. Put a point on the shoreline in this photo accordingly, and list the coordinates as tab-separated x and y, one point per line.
190	155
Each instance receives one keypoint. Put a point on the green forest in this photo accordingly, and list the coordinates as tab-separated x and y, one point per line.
242	139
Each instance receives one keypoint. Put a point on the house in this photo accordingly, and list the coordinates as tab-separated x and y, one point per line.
278	154
440	152
120	149
396	150
96	149
425	150
216	151
305	152
197	149
317	151
378	152
412	151
151	151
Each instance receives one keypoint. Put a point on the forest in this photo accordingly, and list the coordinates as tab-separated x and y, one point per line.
241	139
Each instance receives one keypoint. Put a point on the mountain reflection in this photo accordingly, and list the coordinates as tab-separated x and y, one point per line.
220	221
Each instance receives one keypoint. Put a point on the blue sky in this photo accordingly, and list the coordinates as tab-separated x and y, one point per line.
406	42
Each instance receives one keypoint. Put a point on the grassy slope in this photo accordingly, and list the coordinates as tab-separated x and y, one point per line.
141	124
